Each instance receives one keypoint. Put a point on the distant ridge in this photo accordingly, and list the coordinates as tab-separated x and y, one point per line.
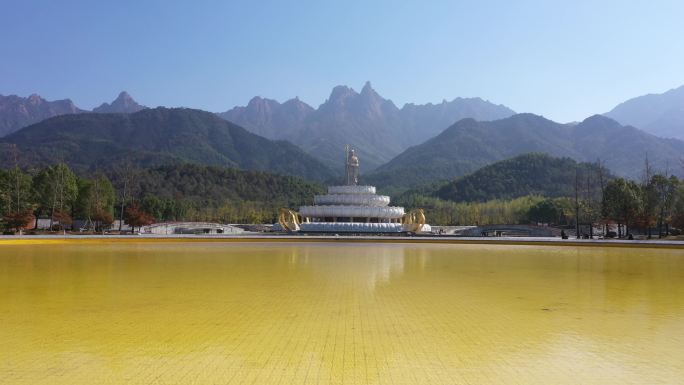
374	126
659	114
424	121
268	118
17	112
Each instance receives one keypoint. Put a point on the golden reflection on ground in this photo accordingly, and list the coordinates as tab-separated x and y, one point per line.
324	313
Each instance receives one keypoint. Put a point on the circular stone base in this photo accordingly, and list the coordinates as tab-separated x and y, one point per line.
351	227
371	200
351	189
356	227
388	212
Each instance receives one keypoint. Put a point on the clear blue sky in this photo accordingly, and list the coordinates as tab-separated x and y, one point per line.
564	59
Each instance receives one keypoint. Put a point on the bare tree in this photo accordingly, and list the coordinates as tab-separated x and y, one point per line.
602	184
649	204
126	178
648	171
577	209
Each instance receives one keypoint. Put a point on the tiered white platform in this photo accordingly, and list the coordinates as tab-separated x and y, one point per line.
342	227
351	209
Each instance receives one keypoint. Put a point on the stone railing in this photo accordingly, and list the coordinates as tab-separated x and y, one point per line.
352	199
351	189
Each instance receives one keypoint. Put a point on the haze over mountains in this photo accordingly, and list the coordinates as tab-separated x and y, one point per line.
659	114
374	126
17	112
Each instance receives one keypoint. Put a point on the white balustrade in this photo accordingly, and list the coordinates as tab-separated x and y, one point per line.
352	211
351	189
342	227
352	199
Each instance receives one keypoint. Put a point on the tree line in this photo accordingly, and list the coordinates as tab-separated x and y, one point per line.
185	192
139	196
654	204
56	193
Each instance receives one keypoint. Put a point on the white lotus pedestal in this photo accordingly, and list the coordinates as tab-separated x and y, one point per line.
353	209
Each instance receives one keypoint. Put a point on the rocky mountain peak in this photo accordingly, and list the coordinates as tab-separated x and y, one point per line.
370	95
35	99
340	93
123	103
658	114
297	105
367	88
268	117
260	103
17	112
373	124
255	101
124	97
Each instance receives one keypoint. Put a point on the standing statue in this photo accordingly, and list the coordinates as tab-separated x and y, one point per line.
352	168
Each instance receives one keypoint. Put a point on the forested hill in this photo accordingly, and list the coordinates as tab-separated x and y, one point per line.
469	145
528	174
177	192
193	192
153	137
212	186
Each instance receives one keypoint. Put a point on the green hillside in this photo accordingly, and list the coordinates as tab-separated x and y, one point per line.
193	192
528	174
155	137
167	193
212	185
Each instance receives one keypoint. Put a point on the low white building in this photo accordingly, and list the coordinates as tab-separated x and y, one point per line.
199	228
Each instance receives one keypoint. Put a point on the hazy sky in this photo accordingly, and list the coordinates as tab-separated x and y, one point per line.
564	59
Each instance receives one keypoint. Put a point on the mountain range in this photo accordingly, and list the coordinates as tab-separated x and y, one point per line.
371	124
158	136
659	114
17	112
399	148
469	145
376	128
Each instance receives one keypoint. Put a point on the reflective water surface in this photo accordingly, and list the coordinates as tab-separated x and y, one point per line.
342	313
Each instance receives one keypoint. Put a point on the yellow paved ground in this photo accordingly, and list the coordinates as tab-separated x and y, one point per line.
222	313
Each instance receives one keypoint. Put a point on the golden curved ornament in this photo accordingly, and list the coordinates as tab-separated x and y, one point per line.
288	220
414	220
